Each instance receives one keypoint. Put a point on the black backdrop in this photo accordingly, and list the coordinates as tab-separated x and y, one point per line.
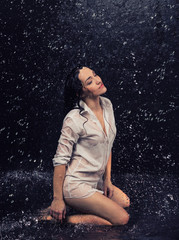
131	44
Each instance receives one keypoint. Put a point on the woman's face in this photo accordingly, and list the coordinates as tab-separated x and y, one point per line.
91	82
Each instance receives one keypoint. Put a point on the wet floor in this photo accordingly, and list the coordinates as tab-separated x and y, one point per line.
153	210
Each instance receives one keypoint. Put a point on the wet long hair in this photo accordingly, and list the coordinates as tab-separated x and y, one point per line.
72	90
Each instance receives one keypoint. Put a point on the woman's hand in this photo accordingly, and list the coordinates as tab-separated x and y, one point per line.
58	209
108	188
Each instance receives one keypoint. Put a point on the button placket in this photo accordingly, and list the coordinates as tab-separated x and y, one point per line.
96	121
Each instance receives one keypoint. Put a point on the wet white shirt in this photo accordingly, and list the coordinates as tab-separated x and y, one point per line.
85	148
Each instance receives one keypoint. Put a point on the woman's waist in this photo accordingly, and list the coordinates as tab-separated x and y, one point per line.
88	177
86	166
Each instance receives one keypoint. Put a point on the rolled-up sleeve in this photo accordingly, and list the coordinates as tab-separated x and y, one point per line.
68	138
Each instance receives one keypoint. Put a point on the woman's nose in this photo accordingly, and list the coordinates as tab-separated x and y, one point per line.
98	81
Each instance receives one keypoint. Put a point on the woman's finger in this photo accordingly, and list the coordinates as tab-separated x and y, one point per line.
110	193
56	215
52	213
60	216
105	191
64	213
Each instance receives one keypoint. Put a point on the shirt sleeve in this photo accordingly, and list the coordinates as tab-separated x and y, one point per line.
114	129
68	138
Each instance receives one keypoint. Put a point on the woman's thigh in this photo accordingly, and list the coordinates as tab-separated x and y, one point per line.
101	206
120	197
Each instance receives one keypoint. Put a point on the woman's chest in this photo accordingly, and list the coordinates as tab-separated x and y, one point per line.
98	130
100	119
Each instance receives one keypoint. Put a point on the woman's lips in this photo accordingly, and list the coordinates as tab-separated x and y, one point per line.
102	85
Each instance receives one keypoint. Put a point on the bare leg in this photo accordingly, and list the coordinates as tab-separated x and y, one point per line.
101	206
75	219
120	198
87	219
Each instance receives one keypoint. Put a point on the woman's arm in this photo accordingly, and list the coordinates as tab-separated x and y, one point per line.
69	136
58	178
107	174
58	209
108	187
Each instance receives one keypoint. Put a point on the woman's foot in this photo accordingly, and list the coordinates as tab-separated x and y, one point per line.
74	219
87	219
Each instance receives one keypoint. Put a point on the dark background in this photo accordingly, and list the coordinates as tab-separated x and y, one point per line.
131	44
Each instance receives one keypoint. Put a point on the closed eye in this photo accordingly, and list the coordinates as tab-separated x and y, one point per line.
89	83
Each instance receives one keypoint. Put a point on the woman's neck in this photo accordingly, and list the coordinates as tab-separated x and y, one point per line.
93	103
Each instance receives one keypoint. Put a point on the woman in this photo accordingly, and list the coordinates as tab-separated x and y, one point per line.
82	163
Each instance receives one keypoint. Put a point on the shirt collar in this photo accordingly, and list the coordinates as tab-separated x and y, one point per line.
103	101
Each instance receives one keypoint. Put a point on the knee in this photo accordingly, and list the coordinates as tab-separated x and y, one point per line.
127	203
122	220
125	219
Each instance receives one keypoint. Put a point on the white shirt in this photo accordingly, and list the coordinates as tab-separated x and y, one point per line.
84	146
